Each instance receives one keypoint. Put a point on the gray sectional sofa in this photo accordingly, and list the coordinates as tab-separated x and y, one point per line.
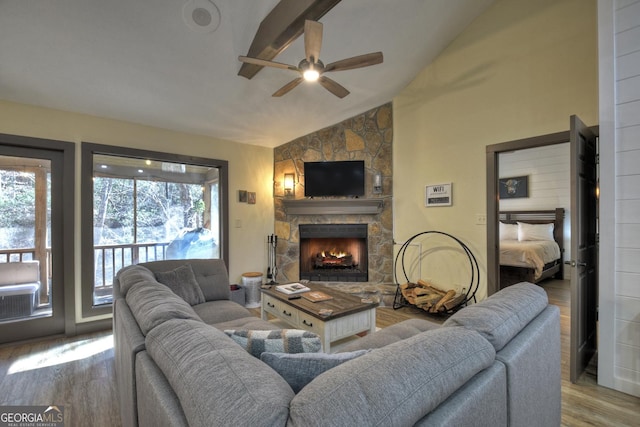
492	363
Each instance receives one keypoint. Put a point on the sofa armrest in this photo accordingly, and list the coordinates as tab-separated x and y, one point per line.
157	403
128	341
533	362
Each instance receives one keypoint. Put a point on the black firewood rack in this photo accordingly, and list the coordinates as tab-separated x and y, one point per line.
400	265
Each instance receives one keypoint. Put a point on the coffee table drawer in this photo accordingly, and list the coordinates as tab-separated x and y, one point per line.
270	305
281	310
310	323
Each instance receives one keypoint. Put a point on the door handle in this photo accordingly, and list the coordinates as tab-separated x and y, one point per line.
573	263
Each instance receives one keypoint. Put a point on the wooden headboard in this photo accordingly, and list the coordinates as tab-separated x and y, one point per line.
555	216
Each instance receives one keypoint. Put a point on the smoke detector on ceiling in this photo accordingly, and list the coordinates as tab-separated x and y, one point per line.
202	16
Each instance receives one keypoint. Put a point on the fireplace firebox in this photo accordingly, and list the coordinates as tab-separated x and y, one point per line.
333	252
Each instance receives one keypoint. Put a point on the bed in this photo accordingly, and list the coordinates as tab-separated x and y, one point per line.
531	245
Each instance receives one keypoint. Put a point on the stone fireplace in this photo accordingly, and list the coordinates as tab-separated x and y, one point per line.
367	137
333	252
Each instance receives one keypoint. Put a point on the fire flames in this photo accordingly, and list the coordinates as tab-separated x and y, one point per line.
334	253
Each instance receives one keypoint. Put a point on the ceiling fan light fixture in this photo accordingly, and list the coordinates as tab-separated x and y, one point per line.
311	75
311	71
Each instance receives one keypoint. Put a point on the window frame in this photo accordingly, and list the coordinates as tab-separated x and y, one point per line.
86	207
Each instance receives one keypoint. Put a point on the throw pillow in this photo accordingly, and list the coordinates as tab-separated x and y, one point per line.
508	231
183	283
300	369
281	341
535	231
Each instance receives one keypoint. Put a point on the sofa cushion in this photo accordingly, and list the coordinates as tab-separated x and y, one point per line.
257	342
183	283
212	312
211	275
300	369
502	316
132	274
153	304
247	323
391	334
216	381
396	384
214	280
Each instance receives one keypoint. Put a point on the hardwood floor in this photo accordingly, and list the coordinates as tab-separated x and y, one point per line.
78	373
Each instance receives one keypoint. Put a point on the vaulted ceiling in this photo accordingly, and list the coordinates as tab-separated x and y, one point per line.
161	63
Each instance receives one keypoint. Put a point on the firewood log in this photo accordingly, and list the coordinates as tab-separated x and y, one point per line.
454	301
418	291
432	288
428	299
448	296
409	295
407	286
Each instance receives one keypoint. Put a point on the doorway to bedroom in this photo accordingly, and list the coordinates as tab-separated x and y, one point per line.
582	226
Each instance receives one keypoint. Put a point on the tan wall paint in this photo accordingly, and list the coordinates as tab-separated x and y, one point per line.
250	168
519	70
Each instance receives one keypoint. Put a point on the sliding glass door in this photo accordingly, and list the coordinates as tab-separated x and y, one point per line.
31	293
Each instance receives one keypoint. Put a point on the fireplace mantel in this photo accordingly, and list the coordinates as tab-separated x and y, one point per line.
333	206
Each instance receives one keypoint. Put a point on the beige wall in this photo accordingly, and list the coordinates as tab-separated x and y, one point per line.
519	70
250	168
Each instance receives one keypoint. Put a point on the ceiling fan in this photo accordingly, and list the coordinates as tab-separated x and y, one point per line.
311	68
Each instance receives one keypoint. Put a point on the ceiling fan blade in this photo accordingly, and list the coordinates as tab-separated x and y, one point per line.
286	88
333	87
312	40
265	63
355	62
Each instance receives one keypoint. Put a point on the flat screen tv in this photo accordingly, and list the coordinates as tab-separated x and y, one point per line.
342	178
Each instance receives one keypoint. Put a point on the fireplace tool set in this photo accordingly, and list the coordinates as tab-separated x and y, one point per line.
272	269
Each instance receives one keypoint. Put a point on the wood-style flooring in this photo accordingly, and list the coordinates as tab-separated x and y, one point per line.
78	373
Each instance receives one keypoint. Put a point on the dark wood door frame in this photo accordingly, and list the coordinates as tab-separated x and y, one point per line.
62	203
492	152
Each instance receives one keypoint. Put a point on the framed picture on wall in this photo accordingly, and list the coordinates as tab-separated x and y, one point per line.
514	187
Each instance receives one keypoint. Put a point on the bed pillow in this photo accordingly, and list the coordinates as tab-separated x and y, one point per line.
183	283
300	369
257	342
535	231
508	231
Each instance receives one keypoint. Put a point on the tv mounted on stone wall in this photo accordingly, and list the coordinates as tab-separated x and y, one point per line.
330	179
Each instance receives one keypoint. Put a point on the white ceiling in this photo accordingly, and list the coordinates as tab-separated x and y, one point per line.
140	62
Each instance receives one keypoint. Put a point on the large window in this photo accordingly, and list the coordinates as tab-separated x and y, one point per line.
147	206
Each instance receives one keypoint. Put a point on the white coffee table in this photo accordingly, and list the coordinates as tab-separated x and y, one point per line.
350	316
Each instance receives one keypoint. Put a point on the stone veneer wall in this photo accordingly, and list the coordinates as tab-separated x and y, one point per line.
368	137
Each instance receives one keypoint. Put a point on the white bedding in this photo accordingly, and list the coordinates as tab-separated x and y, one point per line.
531	254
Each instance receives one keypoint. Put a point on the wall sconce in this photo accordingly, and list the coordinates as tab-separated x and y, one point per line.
289	184
377	183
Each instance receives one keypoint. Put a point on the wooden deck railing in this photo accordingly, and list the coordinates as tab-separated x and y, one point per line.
111	258
108	259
